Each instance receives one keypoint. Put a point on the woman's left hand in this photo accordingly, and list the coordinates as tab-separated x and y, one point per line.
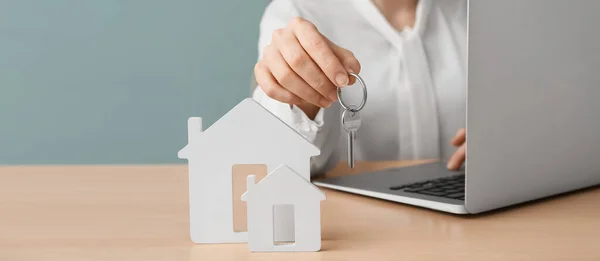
458	158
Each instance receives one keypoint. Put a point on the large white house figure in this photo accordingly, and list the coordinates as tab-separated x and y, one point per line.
247	134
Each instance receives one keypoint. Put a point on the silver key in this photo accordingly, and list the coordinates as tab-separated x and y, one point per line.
351	122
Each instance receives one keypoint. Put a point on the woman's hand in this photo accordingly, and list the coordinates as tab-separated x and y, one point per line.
458	158
302	67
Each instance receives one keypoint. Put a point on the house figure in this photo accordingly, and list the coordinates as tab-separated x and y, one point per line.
247	134
283	186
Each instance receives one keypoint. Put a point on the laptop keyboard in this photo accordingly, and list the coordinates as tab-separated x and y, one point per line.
448	187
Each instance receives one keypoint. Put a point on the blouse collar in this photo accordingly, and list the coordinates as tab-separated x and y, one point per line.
372	14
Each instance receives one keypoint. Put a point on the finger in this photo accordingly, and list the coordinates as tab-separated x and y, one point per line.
269	85
304	66
347	59
457	158
460	137
290	81
316	45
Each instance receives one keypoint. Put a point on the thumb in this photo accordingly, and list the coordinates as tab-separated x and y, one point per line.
347	59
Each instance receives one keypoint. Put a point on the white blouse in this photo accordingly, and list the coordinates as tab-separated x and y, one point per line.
415	78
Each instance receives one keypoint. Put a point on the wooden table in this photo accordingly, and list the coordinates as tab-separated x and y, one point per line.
141	213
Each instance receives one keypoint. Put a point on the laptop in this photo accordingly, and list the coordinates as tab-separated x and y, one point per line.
533	113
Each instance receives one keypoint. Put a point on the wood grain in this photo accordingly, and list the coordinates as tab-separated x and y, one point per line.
141	213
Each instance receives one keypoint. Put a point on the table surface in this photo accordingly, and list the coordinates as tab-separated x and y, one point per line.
141	213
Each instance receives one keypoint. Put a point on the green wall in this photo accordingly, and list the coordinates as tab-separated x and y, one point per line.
114	81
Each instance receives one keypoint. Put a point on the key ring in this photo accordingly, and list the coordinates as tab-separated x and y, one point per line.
364	100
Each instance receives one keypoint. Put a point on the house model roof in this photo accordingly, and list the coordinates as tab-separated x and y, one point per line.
251	121
282	179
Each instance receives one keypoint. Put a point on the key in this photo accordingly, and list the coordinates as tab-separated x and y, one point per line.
351	122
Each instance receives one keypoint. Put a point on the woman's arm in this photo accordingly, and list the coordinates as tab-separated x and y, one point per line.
298	73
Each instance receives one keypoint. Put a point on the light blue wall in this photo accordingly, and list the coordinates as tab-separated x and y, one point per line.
113	81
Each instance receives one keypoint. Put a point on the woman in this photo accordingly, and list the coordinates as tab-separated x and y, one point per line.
410	53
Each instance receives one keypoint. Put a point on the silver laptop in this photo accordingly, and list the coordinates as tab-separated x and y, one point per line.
533	113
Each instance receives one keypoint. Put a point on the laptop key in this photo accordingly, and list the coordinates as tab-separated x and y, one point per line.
435	190
414	190
419	188
455	195
424	185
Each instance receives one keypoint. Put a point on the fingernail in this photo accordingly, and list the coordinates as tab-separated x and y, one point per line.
325	103
333	96
341	79
450	165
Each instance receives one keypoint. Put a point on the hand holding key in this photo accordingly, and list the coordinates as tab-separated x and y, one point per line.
351	118
303	67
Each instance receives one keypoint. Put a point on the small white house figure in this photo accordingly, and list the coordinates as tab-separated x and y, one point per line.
247	134
283	186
